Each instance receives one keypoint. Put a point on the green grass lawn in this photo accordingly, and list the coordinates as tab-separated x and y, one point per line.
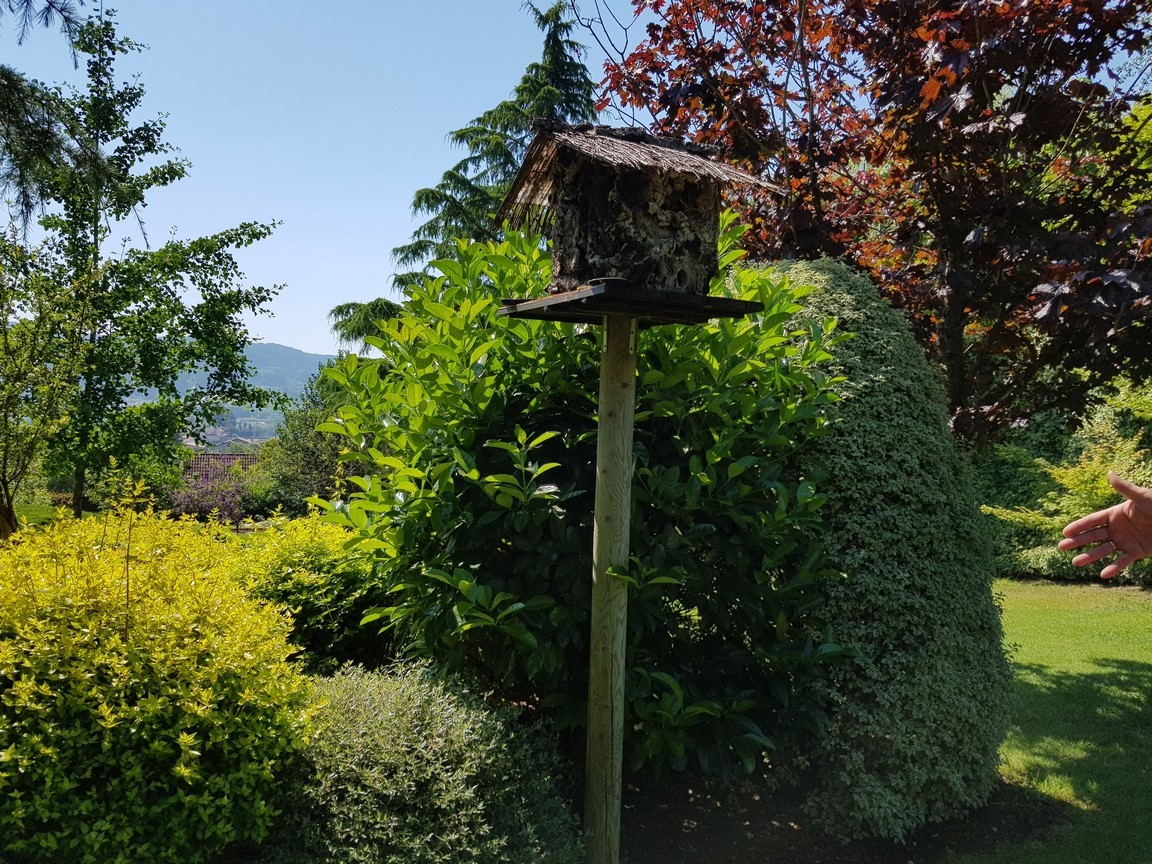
1083	726
41	514
35	514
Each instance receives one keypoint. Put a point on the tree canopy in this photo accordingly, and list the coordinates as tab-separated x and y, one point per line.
977	158
30	132
145	316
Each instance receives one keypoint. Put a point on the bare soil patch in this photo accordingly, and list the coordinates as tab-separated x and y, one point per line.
682	821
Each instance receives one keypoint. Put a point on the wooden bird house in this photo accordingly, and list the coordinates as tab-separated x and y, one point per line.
633	220
634	223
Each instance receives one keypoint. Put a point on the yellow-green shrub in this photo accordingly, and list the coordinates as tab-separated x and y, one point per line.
145	702
302	564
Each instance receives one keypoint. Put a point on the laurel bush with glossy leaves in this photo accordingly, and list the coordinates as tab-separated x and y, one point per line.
480	433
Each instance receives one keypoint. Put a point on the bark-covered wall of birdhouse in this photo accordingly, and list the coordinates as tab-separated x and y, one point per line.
659	231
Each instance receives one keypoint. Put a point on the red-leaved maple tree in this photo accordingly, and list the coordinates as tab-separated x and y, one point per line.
984	160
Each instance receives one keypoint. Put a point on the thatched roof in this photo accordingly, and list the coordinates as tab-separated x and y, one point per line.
618	147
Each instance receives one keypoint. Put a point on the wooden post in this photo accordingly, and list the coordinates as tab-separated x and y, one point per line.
609	595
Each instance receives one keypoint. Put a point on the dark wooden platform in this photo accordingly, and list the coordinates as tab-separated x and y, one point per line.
588	304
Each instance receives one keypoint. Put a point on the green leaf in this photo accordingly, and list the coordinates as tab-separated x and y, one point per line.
439	349
502	479
520	633
503	445
735	469
541	438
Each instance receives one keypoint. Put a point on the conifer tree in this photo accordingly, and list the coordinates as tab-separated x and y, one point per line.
352	323
30	130
462	204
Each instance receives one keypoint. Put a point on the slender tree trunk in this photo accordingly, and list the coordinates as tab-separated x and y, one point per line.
8	523
952	356
79	483
84	412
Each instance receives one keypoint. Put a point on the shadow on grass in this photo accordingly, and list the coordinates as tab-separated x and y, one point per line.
1085	738
1079	760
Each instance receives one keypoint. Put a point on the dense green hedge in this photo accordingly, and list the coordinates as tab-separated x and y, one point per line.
919	712
406	768
146	705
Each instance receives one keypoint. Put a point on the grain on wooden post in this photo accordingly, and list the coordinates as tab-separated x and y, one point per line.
609	595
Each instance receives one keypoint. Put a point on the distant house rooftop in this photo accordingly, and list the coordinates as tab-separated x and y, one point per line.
212	465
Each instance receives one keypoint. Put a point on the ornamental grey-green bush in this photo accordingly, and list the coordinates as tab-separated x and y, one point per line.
919	712
408	768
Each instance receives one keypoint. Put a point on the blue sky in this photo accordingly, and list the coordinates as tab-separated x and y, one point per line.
326	117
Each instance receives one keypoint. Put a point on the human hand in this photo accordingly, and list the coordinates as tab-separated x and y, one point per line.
1125	528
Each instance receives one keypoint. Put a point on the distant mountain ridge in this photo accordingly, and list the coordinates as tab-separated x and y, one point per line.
274	367
281	368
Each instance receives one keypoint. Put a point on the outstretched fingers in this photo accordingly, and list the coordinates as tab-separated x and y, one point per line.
1092	533
1124	530
1086	531
1097	553
1114	568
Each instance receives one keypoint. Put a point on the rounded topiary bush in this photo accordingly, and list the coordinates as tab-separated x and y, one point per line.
405	768
146	705
919	711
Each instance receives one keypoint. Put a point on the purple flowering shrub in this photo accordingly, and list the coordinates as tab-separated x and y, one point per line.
225	494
